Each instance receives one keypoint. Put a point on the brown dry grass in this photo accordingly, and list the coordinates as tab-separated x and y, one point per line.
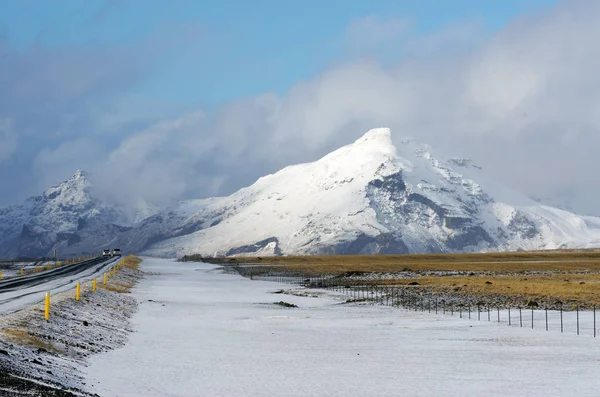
115	288
496	262
23	338
572	287
131	262
504	267
123	285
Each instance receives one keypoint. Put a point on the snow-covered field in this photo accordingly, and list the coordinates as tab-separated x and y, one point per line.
203	333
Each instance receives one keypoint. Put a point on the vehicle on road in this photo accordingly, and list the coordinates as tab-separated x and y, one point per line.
116	252
106	253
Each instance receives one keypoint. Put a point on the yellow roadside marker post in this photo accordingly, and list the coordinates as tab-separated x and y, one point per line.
104	278
21	271
0	274
47	306
94	285
77	291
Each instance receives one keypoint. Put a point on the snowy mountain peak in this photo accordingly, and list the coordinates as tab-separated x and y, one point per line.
73	192
78	180
382	136
379	140
79	174
367	197
66	216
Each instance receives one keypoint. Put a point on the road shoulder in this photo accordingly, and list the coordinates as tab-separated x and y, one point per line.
46	358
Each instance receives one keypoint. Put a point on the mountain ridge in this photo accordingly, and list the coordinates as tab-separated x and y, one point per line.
63	217
367	197
391	200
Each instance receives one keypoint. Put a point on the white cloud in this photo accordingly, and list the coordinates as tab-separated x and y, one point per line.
8	140
65	159
154	166
523	102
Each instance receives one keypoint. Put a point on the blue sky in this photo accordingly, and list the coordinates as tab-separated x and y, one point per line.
186	98
237	48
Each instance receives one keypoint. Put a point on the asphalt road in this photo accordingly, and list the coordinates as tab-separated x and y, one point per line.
20	287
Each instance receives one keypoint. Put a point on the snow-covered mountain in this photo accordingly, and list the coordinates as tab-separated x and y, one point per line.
366	197
66	217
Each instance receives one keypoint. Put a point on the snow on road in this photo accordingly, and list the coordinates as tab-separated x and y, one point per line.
203	333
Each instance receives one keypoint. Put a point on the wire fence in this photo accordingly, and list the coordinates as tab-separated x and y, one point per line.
572	320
